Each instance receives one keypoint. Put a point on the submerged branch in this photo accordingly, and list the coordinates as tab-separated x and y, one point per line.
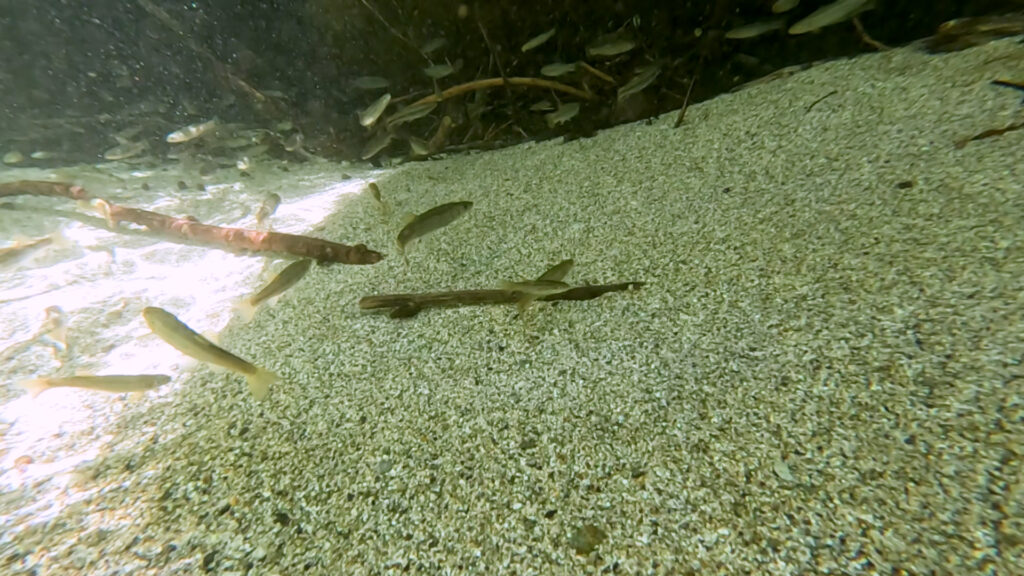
187	230
406	305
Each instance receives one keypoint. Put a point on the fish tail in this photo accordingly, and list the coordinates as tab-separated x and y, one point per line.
259	382
245	309
35	387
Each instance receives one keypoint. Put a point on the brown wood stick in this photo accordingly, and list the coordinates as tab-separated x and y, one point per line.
189	231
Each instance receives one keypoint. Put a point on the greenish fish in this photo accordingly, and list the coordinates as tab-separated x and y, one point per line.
437	217
188	341
533	289
288	277
558	271
115	383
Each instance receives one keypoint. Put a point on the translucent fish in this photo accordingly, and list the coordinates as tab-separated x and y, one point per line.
564	113
608	46
538	40
191	132
267	208
43	155
834	13
369	116
124	150
412	112
438	71
642	80
433	219
113	383
534	289
370	83
189	342
282	282
558	271
558	69
434	45
376	144
781	6
755	29
419	146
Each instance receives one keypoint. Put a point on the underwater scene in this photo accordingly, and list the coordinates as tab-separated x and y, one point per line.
558	287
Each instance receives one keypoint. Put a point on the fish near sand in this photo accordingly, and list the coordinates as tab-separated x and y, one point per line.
433	219
113	383
191	132
283	281
188	341
533	289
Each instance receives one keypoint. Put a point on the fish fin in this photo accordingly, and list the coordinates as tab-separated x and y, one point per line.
211	336
259	383
525	302
35	387
407	218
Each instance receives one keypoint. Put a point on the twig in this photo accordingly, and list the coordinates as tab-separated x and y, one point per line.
864	36
394	32
407	305
989	134
494	82
189	231
686	102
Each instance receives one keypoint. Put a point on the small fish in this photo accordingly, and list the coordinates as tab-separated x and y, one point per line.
433	219
564	113
376	144
608	46
537	40
755	29
781	6
438	71
533	289
20	250
14	157
188	341
191	132
557	272
434	45
542	106
643	79
834	13
370	83
385	208
43	155
558	69
267	208
124	150
283	281
419	147
114	383
369	116
412	112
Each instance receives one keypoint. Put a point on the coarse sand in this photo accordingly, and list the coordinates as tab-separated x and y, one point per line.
822	373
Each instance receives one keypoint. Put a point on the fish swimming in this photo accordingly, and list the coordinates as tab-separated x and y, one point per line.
368	117
267	208
558	271
533	289
191	132
113	383
283	281
22	249
188	341
433	219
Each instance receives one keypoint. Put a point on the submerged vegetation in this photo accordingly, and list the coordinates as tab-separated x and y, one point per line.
364	79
